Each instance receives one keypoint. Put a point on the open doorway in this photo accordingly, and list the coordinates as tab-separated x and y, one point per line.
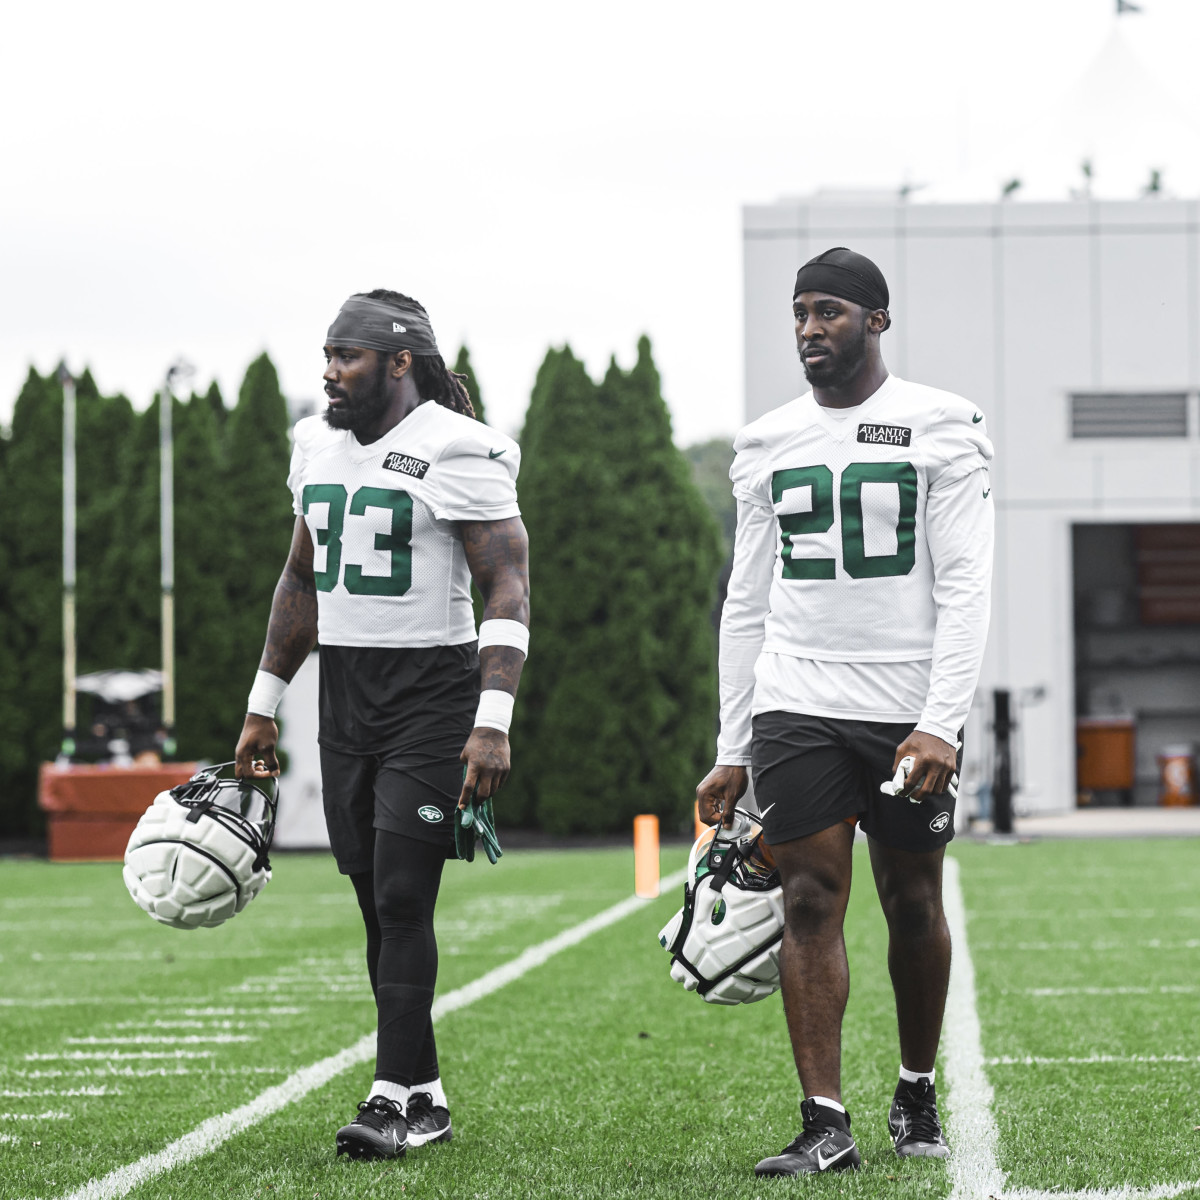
1137	660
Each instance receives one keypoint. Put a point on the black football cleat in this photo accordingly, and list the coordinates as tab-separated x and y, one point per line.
824	1144
379	1131
427	1122
913	1121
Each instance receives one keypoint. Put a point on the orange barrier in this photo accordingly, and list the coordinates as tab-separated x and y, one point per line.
93	809
1177	766
645	857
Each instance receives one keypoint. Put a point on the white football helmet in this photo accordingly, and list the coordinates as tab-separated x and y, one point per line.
724	941
199	853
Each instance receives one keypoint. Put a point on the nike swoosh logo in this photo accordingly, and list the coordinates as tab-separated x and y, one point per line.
976	418
987	493
497	453
823	1162
767	809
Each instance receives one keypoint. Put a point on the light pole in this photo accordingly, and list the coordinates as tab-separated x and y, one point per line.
68	563
179	372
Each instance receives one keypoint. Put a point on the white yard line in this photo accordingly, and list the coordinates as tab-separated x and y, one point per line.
1161	1191
210	1134
1038	1060
161	1039
1178	989
975	1172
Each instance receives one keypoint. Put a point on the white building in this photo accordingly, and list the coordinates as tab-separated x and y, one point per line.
1076	327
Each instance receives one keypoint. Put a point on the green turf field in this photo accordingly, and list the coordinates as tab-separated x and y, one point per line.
592	1075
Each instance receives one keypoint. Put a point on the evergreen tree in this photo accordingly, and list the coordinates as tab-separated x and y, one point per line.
105	428
31	534
216	402
462	365
210	697
12	717
560	481
617	708
260	519
710	462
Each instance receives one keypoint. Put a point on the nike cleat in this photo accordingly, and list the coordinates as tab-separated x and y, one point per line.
824	1144
427	1122
379	1131
913	1121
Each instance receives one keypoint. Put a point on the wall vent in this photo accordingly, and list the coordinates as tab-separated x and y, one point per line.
1129	415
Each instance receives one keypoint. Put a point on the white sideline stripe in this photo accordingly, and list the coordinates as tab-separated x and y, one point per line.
210	1134
46	1116
974	1170
973	1167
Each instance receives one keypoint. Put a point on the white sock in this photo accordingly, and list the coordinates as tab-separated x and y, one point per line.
437	1093
825	1102
916	1076
391	1091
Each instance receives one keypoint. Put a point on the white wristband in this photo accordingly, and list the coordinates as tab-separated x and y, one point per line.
498	632
495	710
266	694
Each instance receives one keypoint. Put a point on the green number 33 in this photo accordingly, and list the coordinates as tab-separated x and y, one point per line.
820	517
397	541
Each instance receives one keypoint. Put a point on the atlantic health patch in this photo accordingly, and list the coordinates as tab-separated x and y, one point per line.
885	435
416	467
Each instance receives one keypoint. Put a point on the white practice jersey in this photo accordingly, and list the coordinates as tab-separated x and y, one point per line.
862	568
389	561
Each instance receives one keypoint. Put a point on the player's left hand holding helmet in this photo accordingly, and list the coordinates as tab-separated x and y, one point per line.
199	853
724	941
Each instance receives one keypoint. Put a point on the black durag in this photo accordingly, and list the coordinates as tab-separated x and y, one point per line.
842	272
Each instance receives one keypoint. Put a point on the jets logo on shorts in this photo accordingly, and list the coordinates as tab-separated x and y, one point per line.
940	822
428	813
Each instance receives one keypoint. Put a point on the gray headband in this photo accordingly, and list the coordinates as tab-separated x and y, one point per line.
380	325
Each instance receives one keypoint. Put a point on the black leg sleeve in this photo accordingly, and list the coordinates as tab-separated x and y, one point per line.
364	889
407	874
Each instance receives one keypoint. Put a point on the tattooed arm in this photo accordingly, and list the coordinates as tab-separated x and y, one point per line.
498	555
291	635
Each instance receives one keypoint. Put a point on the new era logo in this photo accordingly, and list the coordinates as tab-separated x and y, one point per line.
398	328
406	465
885	435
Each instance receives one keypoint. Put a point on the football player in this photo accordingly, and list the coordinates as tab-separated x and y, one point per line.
401	499
851	640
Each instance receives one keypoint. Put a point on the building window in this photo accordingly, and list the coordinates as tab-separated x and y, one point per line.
1129	415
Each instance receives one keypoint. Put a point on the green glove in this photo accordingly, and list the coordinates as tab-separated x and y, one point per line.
476	820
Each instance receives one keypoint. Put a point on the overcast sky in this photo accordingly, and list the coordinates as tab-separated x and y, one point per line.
212	180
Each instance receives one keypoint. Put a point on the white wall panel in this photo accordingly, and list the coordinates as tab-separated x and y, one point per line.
1143	318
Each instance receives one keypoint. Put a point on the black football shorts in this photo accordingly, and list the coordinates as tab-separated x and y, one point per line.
365	792
812	772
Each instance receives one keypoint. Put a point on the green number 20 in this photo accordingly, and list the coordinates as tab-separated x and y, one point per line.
820	517
397	541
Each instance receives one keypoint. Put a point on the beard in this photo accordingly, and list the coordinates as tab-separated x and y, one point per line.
840	367
359	411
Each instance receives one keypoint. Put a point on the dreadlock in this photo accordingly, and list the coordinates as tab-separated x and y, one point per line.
435	381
